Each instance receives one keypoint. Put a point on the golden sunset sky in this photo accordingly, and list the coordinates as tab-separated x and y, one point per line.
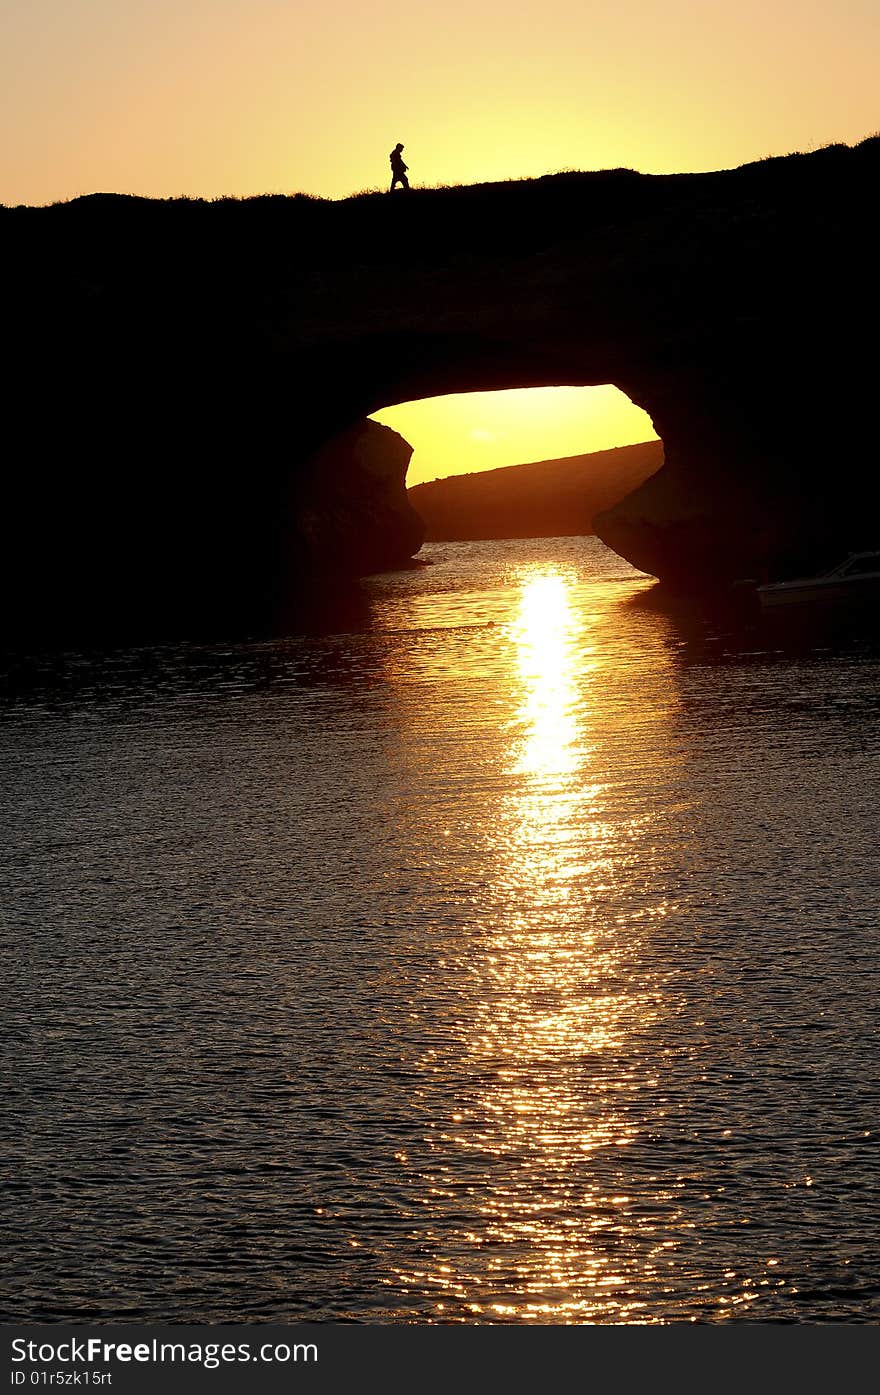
487	430
211	97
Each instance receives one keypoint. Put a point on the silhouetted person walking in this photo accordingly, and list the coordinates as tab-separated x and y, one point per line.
398	168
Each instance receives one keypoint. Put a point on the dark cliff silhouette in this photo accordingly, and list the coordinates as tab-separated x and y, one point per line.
175	366
541	499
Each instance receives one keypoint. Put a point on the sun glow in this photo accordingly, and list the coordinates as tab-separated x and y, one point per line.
182	97
468	432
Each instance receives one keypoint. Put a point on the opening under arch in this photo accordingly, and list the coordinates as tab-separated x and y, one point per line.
532	462
465	433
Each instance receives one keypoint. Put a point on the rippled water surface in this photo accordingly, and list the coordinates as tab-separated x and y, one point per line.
506	953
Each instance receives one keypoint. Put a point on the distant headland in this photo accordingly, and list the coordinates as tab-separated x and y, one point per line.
186	441
539	499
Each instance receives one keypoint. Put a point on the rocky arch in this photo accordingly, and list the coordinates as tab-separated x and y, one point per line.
182	373
755	429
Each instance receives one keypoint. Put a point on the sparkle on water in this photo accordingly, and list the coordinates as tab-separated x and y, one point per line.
509	956
545	987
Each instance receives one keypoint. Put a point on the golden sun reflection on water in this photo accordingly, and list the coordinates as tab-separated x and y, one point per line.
551	751
550	1012
545	630
554	997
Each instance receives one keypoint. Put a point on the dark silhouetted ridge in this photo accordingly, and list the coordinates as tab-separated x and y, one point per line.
541	499
186	379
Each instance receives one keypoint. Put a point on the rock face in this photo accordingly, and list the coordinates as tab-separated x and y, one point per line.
349	507
771	472
178	368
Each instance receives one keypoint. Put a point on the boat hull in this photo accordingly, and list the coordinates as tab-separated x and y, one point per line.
864	591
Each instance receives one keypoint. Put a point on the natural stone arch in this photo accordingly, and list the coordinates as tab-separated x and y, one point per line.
176	366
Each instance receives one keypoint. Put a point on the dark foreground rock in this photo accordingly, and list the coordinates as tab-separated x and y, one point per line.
171	552
177	367
349	510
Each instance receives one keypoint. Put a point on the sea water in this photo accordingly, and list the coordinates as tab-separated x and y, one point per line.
500	947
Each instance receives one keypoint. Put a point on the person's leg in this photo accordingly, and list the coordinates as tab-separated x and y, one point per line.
404	181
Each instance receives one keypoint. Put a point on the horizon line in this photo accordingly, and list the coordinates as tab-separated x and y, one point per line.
373	191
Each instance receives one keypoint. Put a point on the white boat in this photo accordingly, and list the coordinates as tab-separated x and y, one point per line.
857	579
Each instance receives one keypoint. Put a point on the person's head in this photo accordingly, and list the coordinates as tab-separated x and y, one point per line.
399	145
